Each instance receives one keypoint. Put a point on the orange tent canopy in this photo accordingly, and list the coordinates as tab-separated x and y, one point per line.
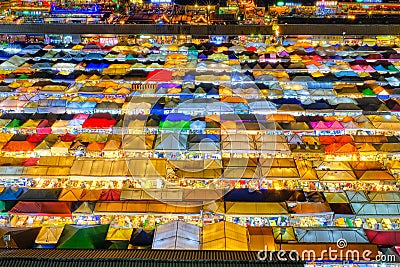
230	99
95	146
336	148
16	146
330	139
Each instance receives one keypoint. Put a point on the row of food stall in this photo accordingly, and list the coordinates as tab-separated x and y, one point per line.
371	210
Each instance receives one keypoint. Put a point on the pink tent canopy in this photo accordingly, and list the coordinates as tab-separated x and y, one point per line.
44	127
357	68
327	126
368	68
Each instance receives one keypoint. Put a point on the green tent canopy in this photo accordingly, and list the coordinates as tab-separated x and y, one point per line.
392	68
83	237
175	125
6	206
23	77
368	92
14	124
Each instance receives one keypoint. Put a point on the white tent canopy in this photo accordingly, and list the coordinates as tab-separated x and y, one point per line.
177	235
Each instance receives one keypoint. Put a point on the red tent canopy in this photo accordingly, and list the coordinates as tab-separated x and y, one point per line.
110	194
98	123
68	137
30	162
383	238
35	138
159	76
62	209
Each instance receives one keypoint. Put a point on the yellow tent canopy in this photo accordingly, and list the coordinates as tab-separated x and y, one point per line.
119	234
70	194
225	236
49	235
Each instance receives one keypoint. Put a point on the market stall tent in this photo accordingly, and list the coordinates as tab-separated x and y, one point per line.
142	207
357	196
119	234
261	238
34	194
49	235
255	208
383	238
377	197
310	207
10	193
19	237
70	194
224	236
83	237
284	235
110	194
99	168
142	238
147	168
375	209
336	197
177	235
330	235
138	142
90	195
171	142
61	209
84	208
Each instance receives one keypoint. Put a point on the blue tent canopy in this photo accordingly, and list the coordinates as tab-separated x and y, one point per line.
188	78
347	73
157	109
380	68
95	95
281	101
318	106
213	92
232	57
93	56
202	56
4	55
310	49
96	66
176	117
142	238
244	195
11	194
